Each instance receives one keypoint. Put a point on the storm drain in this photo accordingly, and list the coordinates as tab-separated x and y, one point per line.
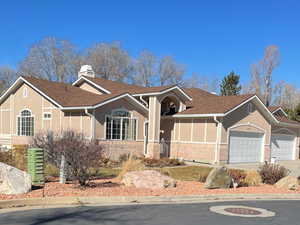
242	211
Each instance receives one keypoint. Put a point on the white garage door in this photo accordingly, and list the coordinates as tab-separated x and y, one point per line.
282	146
245	147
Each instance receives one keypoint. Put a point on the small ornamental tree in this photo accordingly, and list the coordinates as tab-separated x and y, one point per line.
81	155
230	85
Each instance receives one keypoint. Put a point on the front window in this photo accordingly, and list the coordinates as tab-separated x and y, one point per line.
25	124
120	126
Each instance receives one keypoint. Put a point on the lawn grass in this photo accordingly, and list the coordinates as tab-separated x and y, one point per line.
187	173
109	172
183	173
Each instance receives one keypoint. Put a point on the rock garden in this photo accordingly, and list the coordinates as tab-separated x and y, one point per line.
89	173
133	178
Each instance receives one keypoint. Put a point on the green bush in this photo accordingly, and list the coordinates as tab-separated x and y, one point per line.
271	173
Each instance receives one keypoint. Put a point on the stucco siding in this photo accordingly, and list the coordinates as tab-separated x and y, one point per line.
193	151
241	120
88	87
185	129
211	131
199	130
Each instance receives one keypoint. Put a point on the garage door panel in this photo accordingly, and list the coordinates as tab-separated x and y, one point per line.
245	147
282	146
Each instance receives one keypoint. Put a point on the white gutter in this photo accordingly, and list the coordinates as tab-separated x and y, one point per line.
195	115
141	98
218	138
165	91
92	122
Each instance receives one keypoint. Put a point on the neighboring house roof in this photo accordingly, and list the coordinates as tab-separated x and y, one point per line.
274	108
282	117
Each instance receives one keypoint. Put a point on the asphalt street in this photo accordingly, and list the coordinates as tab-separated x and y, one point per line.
287	213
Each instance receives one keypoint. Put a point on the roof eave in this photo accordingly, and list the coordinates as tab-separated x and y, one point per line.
195	115
82	78
165	91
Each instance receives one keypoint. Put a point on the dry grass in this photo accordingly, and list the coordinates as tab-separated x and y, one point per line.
252	178
188	173
131	165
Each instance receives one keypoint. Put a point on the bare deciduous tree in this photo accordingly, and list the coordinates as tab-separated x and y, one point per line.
7	77
261	74
170	72
110	61
286	95
53	59
145	67
206	83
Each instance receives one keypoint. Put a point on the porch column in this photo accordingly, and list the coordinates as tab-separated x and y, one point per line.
153	146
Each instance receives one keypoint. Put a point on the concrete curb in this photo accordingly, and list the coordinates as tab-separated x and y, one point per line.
128	200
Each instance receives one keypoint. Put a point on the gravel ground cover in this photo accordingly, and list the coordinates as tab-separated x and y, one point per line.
112	187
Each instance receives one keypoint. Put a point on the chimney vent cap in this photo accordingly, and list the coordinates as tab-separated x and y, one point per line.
86	70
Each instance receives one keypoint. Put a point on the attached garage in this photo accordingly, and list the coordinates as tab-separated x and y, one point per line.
283	146
245	147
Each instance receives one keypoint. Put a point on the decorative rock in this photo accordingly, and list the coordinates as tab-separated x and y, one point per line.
218	178
13	181
288	182
148	179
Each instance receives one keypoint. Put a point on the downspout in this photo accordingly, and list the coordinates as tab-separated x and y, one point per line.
141	98
92	122
217	147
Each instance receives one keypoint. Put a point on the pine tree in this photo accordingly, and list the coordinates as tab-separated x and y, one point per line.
230	85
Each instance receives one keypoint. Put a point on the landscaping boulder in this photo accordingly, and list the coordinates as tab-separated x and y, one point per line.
13	181
288	182
218	178
148	179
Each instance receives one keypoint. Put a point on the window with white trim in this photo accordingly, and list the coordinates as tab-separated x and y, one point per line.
47	116
25	124
120	126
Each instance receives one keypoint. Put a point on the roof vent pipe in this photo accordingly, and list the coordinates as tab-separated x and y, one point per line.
86	70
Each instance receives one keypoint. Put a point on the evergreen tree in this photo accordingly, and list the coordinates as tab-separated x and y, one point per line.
230	85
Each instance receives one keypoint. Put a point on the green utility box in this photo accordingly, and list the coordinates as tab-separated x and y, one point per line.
35	165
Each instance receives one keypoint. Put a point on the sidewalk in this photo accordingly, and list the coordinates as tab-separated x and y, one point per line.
127	200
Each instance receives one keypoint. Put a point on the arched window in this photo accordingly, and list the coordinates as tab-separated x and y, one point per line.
120	126
25	123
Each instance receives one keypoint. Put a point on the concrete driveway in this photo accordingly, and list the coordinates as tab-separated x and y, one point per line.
293	166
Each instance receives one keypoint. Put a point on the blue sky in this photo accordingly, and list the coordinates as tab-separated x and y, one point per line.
208	37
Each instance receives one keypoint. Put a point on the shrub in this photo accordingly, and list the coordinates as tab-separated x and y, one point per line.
15	157
81	155
131	165
238	176
6	157
252	178
203	177
51	170
163	162
271	173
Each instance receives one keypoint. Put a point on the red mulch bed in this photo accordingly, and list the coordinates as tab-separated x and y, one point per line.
111	187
